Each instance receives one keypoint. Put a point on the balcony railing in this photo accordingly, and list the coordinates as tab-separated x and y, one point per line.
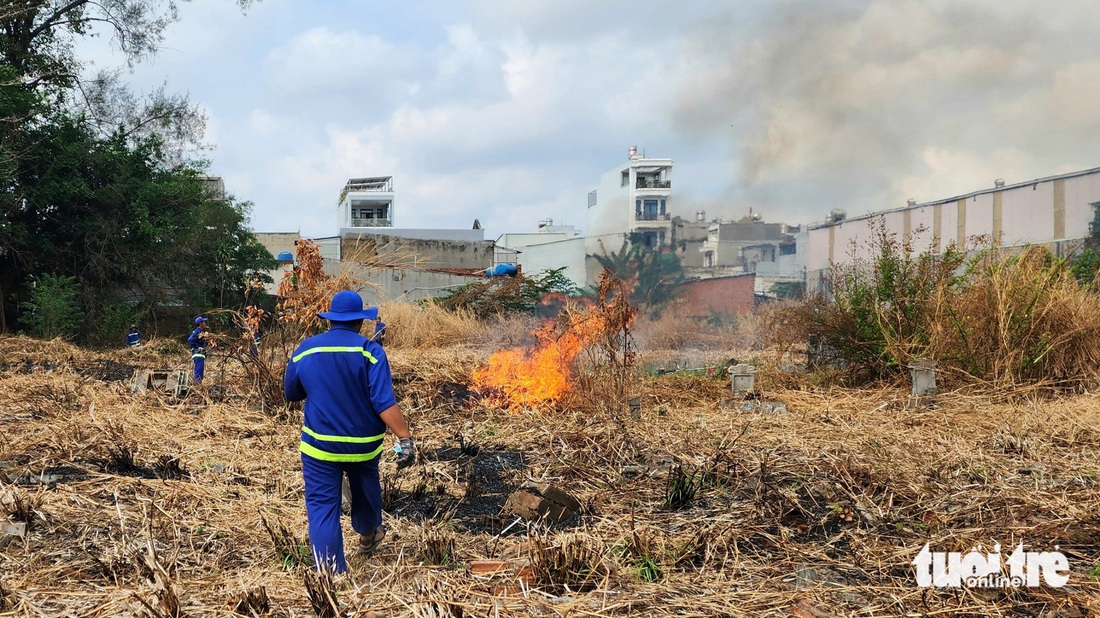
384	184
372	223
645	183
653	217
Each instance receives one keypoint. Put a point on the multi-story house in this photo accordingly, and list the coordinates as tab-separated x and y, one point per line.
633	198
367	203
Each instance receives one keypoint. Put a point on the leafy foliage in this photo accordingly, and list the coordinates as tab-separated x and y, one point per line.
53	310
1002	316
113	324
651	275
104	212
789	290
38	36
881	305
100	184
1086	266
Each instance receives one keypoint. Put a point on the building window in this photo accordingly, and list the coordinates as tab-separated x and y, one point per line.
662	207
591	199
649	210
638	208
626	178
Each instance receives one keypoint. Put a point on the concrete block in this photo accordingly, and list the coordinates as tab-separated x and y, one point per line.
10	532
140	382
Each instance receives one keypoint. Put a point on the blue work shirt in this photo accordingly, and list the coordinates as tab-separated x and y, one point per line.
197	339
346	382
133	338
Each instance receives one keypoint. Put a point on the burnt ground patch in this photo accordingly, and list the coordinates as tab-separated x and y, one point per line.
26	366
485	477
49	475
121	459
109	371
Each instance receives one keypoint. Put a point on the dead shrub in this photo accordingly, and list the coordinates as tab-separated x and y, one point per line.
291	551
717	332
1006	317
254	603
437	545
570	561
321	590
24	507
1020	319
513	330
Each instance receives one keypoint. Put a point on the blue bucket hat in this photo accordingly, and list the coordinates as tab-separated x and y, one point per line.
200	320
347	306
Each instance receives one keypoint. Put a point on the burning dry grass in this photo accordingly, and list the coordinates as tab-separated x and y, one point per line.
694	509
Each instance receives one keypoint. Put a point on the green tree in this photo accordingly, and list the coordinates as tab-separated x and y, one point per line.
98	183
53	309
107	212
652	274
623	263
37	36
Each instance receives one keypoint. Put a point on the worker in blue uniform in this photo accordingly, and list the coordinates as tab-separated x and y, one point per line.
133	338
379	331
345	381
197	341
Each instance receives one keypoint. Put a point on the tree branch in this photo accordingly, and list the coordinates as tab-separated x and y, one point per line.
58	14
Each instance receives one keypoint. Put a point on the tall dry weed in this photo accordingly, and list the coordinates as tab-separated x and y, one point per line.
428	325
718	333
1020	319
1005	317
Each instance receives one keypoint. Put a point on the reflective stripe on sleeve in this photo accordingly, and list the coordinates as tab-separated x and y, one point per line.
316	453
334	348
326	438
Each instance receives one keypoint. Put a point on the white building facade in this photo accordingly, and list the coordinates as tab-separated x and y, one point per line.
551	246
632	198
367	207
367	203
635	197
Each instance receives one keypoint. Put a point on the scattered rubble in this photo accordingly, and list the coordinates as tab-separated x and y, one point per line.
537	500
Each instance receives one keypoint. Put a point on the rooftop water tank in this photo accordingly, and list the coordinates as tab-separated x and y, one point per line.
285	257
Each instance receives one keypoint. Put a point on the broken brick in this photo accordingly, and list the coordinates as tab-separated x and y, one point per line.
524	504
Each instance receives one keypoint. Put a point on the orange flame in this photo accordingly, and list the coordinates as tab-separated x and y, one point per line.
534	379
537	379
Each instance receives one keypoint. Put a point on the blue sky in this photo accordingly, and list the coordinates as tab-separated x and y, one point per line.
509	111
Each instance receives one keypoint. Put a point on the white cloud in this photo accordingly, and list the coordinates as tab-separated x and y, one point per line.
509	111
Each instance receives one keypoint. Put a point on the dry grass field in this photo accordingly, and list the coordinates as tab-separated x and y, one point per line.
140	504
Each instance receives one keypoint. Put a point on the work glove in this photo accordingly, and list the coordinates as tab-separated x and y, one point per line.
406	454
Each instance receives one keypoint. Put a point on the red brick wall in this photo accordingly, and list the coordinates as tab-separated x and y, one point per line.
726	295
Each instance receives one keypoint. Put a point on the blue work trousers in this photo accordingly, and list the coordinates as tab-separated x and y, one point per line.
200	366
324	480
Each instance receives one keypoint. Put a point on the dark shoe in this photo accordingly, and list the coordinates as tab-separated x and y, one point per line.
370	542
